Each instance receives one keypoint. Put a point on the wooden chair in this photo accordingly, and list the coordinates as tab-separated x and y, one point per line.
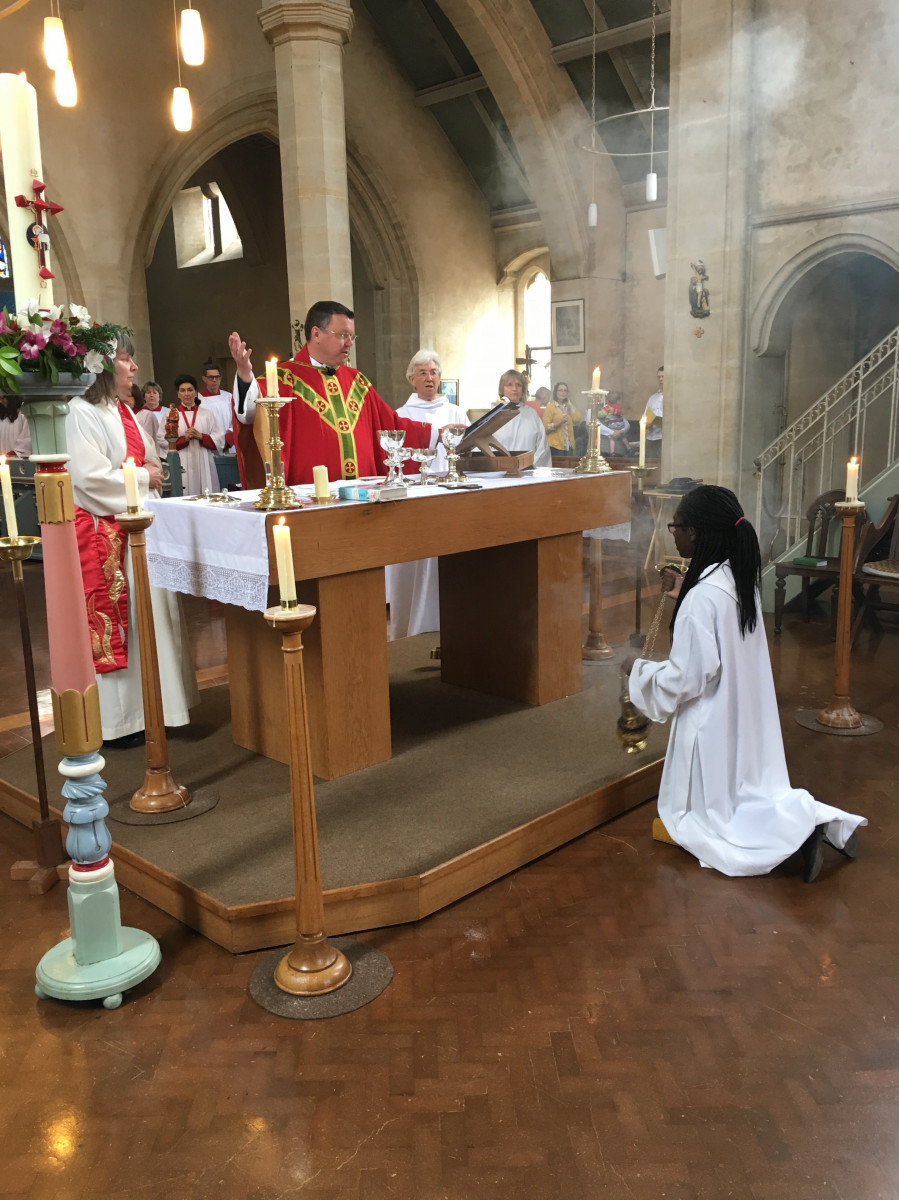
876	566
815	579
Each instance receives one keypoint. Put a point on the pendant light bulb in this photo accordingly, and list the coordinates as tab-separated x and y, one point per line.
56	52
65	86
592	216
182	115
652	187
193	44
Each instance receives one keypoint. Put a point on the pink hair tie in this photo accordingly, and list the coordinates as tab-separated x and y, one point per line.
738	520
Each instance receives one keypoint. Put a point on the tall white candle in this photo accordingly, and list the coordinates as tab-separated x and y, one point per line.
852	480
12	528
284	561
20	148
132	495
642	460
597	376
320	479
271	378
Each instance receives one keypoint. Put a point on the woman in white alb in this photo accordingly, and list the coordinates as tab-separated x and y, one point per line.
15	437
412	586
101	433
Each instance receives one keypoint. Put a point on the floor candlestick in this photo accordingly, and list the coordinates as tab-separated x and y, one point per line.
596	647
158	793
313	967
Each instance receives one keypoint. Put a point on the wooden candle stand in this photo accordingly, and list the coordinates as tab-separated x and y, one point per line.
159	793
313	967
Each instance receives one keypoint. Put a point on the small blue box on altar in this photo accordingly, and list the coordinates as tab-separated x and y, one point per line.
354	492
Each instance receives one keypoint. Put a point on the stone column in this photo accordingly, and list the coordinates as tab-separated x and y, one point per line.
710	177
308	38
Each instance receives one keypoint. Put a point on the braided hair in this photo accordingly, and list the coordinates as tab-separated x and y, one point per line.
723	534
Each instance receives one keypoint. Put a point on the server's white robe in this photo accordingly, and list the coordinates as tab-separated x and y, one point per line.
220	407
412	589
96	443
199	462
725	793
526	432
152	421
15	437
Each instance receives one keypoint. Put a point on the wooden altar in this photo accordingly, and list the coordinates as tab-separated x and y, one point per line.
510	599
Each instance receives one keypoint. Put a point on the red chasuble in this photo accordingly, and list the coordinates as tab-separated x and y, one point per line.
334	420
101	548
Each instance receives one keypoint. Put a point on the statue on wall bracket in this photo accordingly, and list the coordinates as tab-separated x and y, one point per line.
699	292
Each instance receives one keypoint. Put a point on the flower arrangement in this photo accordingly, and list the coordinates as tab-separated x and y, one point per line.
44	342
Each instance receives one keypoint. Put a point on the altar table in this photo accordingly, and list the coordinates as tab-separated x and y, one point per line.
510	598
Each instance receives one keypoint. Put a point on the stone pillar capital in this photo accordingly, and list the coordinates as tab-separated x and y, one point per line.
307	21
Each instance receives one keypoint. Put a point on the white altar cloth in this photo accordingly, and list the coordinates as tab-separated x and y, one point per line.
219	550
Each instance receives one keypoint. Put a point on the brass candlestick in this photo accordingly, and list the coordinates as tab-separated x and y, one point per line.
159	793
637	638
313	967
276	493
593	462
596	647
49	852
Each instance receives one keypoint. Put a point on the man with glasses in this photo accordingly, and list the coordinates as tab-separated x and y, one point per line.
336	413
216	400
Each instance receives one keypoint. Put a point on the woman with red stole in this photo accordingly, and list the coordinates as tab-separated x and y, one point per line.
102	433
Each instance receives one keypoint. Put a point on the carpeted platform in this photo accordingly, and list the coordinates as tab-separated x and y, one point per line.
466	769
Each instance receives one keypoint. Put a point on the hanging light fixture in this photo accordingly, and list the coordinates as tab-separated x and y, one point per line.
65	86
193	44
182	114
647	114
592	214
56	51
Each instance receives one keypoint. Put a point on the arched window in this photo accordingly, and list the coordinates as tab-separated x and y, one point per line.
4	262
537	329
204	228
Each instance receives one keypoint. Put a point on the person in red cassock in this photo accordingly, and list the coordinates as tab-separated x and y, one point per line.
335	412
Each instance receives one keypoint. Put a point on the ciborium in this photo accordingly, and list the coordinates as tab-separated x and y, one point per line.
276	493
451	436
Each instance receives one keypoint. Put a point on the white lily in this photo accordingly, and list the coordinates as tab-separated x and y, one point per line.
81	316
54	312
93	362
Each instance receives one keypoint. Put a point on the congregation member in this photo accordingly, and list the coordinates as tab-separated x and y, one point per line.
216	400
653	415
524	432
614	427
15	436
412	586
336	414
539	401
200	438
101	433
558	420
725	793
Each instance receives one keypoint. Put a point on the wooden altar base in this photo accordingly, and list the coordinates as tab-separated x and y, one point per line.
477	787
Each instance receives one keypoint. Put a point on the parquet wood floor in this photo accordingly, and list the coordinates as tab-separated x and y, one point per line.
609	1022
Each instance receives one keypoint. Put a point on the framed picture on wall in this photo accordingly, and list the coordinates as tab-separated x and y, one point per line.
450	389
568	327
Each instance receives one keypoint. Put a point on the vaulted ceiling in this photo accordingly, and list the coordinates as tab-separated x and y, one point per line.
448	81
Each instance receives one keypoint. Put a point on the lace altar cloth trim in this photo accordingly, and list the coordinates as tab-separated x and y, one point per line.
217	583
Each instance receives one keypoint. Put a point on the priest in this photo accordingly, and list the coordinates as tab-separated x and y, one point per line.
335	413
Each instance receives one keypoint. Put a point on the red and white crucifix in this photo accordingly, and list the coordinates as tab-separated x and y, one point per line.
37	234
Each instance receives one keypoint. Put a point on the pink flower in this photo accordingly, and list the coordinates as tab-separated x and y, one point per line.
12	327
32	344
59	327
80	349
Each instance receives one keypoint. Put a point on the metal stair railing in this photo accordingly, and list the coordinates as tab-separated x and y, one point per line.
799	464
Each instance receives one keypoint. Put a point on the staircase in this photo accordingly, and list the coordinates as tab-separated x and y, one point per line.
858	415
